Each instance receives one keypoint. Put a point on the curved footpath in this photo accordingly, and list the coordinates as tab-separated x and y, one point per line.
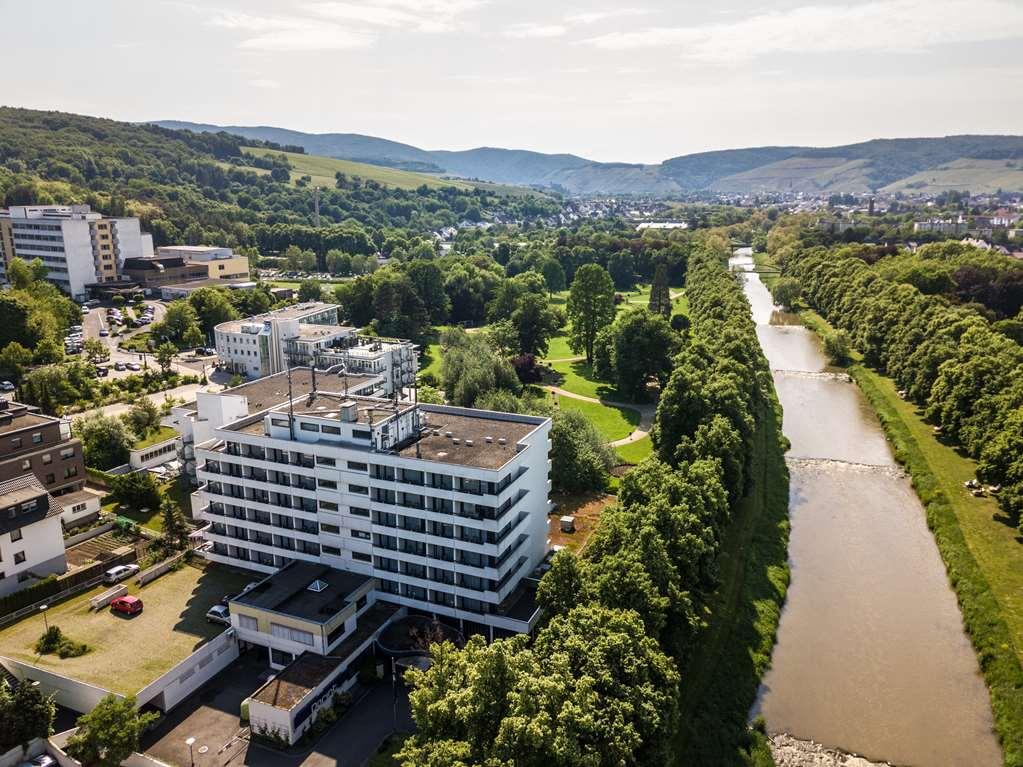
646	413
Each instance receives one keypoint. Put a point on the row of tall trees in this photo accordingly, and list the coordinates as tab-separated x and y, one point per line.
949	358
599	685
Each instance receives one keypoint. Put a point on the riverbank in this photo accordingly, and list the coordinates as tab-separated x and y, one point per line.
978	546
792	752
722	677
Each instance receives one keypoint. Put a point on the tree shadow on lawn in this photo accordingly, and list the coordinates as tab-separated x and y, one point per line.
581	369
216	582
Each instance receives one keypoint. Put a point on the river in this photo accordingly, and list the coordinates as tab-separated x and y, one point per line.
871	654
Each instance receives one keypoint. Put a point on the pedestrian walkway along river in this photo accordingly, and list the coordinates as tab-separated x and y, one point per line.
871	655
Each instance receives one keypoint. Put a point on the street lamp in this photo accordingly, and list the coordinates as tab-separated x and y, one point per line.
43	609
190	742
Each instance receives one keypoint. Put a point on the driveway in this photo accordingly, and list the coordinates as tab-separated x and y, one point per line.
211	717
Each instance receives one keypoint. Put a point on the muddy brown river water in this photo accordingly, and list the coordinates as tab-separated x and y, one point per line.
871	655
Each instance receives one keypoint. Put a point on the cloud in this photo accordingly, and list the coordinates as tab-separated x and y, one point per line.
592	17
289	33
898	26
424	16
529	30
264	83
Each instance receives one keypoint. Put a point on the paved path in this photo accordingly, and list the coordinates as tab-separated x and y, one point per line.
186	393
646	413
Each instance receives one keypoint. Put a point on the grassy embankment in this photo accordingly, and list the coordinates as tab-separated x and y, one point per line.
978	544
720	681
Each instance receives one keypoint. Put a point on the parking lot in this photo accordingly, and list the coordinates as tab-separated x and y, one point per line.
127	653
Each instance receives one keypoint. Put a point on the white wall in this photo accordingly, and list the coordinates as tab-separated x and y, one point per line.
81	267
43	545
129	240
191	673
70	693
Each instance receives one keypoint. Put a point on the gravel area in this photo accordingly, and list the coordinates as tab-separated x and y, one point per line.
791	752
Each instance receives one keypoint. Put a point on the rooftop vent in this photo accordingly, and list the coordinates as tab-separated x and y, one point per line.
455	441
317	586
502	441
489	440
447	434
468	443
349	411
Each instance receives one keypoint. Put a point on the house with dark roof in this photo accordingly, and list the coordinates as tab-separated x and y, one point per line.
31	537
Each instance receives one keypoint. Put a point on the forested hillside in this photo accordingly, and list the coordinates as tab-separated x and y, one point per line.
202	188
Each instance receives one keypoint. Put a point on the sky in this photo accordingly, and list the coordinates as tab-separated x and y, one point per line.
609	81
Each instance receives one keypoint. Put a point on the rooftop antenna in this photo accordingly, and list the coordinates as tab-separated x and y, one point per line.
291	407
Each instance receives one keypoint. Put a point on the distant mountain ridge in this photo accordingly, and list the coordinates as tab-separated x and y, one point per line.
914	165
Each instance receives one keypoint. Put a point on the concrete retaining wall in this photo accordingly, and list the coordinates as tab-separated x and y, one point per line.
16	756
194	671
70	693
101	601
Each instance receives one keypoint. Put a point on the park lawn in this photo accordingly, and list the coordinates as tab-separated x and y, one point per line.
558	348
578	379
680	305
638	296
161	434
634	452
284	284
126	654
611	421
560	298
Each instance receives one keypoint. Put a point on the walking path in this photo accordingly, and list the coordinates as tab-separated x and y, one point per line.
646	413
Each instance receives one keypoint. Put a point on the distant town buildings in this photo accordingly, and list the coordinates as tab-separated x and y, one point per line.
78	247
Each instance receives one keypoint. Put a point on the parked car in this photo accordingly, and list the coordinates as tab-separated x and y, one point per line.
6	386
127	605
119	573
219	614
102	372
133	366
43	760
119	366
104	332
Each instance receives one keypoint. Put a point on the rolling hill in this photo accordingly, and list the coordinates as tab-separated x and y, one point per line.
913	165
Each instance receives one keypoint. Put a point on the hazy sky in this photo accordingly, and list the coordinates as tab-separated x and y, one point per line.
612	81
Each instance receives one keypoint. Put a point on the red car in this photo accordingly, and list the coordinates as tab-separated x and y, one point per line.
128	605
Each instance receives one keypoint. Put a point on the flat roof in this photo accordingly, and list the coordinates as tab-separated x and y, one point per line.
294	312
210	283
304	674
311	331
266	392
435	445
23	419
287	591
368	409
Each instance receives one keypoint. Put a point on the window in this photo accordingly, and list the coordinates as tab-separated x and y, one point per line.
332	529
16	442
67	452
50	479
248	622
279	422
359	489
358	511
15	535
332	550
361	434
360	603
309	427
330	429
26	465
291	634
47	459
19	557
322	461
361	535
37	438
356	466
70	471
280	657
358	556
328	506
327	483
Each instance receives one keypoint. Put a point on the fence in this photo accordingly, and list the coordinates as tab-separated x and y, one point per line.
156	571
107	597
67	586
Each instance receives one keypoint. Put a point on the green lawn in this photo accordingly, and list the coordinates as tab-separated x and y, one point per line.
578	379
284	284
612	422
559	348
634	452
160	434
128	653
680	305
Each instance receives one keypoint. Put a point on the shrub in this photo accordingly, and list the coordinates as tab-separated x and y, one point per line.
837	346
54	641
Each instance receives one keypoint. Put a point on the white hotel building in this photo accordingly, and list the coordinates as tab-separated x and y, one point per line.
301	334
445	508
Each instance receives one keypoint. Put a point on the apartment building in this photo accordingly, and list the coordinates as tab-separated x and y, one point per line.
33	444
31	539
445	508
219	263
307	334
78	247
